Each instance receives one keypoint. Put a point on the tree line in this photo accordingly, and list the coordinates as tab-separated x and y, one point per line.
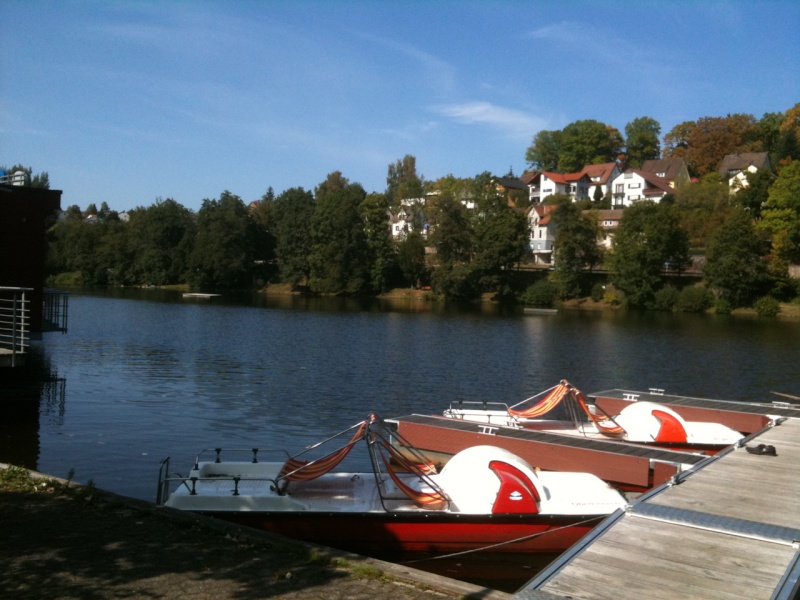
336	239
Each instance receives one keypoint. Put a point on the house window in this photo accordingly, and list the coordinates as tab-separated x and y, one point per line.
619	188
661	174
627	175
540	234
634	186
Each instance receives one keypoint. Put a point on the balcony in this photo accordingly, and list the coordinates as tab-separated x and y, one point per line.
14	325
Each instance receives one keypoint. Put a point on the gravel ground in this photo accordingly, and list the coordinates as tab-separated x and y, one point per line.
65	541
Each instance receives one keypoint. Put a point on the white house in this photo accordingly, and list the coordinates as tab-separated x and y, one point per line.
634	185
402	223
542	233
736	167
608	223
600	176
542	184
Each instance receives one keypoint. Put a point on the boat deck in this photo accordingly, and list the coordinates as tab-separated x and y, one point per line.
746	417
630	466
729	529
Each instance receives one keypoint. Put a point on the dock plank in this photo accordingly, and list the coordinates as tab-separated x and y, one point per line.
726	531
672	561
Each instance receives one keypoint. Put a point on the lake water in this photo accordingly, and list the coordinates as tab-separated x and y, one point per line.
145	374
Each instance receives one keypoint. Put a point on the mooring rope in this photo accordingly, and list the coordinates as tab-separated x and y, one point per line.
499	544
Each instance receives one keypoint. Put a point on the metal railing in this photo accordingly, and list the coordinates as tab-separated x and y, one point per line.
14	323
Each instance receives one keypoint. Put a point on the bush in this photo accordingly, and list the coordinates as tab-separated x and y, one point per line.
722	307
767	306
541	293
614	297
598	291
666	298
694	299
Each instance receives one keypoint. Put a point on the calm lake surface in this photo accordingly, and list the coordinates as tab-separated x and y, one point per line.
142	375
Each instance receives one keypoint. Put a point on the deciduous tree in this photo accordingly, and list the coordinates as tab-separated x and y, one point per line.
339	259
642	141
161	242
382	251
576	249
781	213
703	206
223	256
291	216
649	238
587	142
543	154
734	267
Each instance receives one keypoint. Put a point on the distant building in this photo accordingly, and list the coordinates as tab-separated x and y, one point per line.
674	170
736	167
543	233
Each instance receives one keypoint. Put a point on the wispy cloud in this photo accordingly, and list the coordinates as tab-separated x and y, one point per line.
511	122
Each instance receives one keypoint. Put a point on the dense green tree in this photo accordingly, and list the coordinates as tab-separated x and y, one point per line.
411	258
780	217
649	238
160	241
452	232
223	253
402	181
587	142
754	196
642	141
787	147
290	215
575	250
501	242
382	252
339	259
734	266
97	251
703	207
768	132
543	154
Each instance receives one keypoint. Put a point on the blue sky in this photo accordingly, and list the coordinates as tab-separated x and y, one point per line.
127	102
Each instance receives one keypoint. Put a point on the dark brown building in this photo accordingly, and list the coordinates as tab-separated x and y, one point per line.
24	215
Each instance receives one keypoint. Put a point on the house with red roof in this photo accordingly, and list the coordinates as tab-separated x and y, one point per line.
543	233
542	184
601	176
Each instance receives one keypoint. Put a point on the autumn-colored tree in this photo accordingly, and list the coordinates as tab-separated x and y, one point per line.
711	138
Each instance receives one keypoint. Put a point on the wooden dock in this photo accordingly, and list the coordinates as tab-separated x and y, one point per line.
727	529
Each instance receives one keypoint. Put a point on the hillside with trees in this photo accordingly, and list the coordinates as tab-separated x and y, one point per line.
465	237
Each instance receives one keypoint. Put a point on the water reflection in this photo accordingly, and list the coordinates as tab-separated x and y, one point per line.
144	374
